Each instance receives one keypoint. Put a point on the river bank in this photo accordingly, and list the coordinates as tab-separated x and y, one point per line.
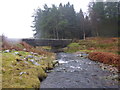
101	49
24	66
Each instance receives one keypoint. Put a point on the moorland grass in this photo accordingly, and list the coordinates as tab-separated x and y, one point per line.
23	74
100	44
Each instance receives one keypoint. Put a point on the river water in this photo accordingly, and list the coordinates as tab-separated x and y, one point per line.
75	71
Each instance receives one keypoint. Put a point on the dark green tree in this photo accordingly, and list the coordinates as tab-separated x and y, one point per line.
60	22
104	17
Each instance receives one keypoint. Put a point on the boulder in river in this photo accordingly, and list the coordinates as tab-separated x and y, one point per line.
55	63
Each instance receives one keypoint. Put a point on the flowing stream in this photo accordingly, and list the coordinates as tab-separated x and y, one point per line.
75	71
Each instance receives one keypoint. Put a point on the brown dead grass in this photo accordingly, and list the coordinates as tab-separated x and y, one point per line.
25	47
105	57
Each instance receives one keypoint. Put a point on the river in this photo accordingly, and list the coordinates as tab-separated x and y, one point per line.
76	71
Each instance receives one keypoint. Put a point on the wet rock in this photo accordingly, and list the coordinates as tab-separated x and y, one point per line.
113	77
16	53
41	57
55	63
29	56
113	69
25	59
37	58
72	67
26	62
21	56
31	53
36	54
24	49
109	68
61	61
79	55
63	68
6	51
34	62
58	70
49	71
22	73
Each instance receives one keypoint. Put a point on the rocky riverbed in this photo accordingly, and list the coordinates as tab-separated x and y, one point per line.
77	71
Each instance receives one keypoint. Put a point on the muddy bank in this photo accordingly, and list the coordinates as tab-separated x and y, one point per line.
77	71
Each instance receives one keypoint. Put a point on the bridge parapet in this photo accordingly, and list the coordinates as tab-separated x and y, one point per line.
48	42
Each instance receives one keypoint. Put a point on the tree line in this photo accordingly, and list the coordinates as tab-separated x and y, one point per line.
63	22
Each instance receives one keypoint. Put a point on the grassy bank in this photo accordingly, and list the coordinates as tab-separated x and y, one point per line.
100	49
100	44
24	66
24	70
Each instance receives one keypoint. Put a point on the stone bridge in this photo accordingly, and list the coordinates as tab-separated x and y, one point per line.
48	42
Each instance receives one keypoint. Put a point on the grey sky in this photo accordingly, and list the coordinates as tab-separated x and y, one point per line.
15	18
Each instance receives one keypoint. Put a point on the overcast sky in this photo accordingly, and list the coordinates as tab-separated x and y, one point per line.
15	17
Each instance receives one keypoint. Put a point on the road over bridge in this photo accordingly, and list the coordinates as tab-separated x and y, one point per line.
48	42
